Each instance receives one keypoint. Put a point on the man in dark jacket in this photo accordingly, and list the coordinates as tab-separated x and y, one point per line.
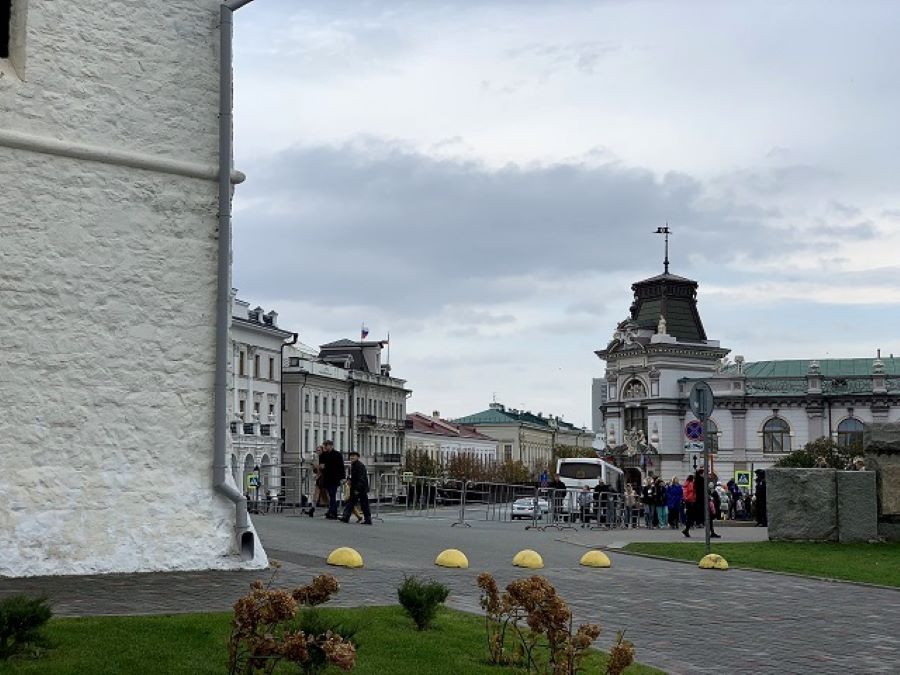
762	519
332	469
359	490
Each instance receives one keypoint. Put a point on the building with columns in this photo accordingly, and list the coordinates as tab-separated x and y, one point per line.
762	411
256	405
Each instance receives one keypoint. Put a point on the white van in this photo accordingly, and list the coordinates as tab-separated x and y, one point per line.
577	472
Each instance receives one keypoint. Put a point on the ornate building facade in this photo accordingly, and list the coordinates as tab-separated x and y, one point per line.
763	410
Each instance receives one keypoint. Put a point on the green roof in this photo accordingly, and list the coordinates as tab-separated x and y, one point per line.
507	416
487	417
670	296
827	367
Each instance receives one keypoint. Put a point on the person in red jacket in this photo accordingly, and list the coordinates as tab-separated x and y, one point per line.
690	497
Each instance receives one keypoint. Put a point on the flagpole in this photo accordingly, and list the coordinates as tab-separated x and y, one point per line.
389	348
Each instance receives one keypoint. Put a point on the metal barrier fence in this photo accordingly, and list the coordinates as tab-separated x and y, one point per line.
291	488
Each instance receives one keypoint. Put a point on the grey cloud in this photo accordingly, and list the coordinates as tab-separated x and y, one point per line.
551	58
375	224
594	308
863	230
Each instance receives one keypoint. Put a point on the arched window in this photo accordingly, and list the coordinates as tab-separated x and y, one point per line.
711	431
776	436
850	434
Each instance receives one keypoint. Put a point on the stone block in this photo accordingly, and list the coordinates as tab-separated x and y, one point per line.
890	489
857	506
801	504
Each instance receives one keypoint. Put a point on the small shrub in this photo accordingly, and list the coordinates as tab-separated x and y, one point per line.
421	599
22	621
266	630
311	621
530	625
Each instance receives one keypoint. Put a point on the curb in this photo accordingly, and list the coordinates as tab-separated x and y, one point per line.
864	584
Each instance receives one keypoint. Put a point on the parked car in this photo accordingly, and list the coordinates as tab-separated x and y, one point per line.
524	508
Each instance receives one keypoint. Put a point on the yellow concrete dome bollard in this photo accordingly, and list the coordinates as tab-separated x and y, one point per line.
345	557
528	558
595	559
452	557
713	561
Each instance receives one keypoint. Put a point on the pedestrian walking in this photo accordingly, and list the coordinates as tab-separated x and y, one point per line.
630	500
662	503
762	519
690	498
332	467
585	499
734	494
648	497
602	502
356	510
318	493
359	490
674	497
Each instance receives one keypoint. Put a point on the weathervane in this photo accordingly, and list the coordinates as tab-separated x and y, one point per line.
665	230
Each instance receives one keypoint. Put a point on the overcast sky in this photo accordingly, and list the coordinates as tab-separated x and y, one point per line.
482	180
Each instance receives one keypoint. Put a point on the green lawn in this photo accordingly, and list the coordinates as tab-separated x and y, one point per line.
195	643
871	563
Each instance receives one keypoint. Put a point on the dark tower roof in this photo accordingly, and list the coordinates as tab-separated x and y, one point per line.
670	296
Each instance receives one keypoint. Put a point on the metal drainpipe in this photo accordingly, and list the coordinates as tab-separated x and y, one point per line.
246	544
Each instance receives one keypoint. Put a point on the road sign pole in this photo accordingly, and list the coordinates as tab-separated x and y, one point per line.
701	403
705	486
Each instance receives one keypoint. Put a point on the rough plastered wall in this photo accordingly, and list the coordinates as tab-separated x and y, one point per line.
107	295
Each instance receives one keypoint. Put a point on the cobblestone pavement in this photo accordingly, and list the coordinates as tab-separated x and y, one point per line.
682	619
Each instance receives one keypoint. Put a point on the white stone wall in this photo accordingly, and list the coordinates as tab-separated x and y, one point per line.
108	302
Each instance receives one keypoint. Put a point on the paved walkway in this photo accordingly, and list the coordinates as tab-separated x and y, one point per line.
682	619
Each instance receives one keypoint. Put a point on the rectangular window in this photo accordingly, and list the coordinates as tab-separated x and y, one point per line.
306	439
316	403
342	440
242	367
5	11
334	406
272	369
325	405
241	407
256	372
507	452
316	437
256	407
342	407
271	408
306	403
636	418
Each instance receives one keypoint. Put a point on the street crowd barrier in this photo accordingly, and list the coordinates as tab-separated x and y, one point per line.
290	488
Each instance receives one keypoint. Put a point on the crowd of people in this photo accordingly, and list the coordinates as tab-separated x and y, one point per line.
658	503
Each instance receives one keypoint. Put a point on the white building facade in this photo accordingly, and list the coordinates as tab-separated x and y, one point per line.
256	403
108	160
344	393
763	410
316	397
